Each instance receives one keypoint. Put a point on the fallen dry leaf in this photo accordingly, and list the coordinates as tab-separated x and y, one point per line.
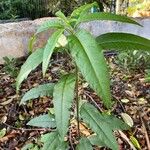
127	119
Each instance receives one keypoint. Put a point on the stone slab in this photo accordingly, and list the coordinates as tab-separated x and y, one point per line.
14	37
101	27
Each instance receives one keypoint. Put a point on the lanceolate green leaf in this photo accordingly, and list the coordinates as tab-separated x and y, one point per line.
94	140
50	140
105	16
44	121
84	144
31	63
91	62
50	24
123	41
41	90
95	121
63	97
63	146
49	48
114	123
27	146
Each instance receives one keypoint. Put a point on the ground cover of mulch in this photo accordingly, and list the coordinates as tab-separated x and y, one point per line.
131	95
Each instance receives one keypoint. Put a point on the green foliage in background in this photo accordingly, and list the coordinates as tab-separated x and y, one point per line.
10	66
133	60
12	9
138	5
88	59
147	76
68	6
8	10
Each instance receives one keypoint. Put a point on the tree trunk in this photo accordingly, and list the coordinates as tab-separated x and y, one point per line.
118	6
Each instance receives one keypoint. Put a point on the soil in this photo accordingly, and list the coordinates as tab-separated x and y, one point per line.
130	92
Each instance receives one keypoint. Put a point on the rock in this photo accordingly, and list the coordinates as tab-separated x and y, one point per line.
101	27
14	37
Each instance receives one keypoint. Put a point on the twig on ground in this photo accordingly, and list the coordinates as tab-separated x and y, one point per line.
23	129
93	101
119	103
126	139
57	61
77	102
70	140
145	132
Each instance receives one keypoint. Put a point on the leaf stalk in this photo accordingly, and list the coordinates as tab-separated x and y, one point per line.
77	103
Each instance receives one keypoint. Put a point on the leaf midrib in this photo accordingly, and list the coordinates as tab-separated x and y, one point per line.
119	41
21	76
53	140
62	102
91	65
39	93
102	17
56	23
36	57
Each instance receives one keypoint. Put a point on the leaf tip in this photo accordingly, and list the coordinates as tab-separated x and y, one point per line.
139	24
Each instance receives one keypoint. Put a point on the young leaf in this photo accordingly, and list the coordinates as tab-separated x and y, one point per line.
52	23
31	43
31	63
62	41
41	90
91	62
63	97
105	16
64	19
123	41
62	16
50	140
82	9
100	125
49	48
44	121
84	144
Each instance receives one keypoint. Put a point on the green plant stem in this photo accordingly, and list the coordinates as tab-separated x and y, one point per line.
77	103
